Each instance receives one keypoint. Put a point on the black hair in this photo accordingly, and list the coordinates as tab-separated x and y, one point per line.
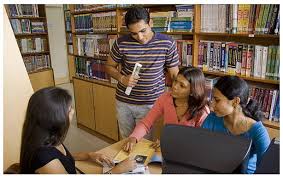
233	86
197	99
46	122
135	14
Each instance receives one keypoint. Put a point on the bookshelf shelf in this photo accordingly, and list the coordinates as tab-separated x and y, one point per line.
108	84
93	33
103	58
271	124
40	70
31	34
92	11
31	18
239	35
35	53
255	79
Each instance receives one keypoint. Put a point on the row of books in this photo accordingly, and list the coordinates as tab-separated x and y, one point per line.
70	49
21	26
68	21
210	81
38	62
240	18
69	37
185	52
268	99
66	7
91	68
23	10
31	45
104	22
180	20
91	7
83	23
94	45
242	59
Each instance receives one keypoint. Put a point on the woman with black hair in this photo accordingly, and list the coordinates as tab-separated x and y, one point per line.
186	105
235	114
47	121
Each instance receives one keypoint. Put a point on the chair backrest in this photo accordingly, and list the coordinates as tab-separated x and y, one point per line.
271	159
197	150
13	169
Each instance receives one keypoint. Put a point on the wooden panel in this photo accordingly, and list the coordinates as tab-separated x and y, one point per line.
84	103
71	65
273	133
41	79
105	111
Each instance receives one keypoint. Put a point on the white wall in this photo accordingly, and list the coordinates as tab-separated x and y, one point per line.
57	42
17	90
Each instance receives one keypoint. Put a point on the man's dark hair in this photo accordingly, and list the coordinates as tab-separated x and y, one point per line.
135	14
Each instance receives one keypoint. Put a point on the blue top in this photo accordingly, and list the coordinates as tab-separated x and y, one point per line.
257	133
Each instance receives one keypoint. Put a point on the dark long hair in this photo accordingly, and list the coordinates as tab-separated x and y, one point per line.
233	86
46	123
197	98
135	14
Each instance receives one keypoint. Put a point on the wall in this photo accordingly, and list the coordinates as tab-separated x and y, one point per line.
17	90
57	42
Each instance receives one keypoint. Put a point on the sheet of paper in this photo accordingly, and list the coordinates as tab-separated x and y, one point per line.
142	148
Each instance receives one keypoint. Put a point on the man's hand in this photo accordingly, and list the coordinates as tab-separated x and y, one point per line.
129	80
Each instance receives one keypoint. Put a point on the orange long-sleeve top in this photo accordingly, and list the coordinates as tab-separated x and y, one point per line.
164	106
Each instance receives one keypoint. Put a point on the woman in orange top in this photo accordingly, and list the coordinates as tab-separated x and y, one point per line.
186	105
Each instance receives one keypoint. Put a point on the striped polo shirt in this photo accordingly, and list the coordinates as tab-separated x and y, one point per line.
159	53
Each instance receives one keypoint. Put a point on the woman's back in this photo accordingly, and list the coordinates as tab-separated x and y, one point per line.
44	155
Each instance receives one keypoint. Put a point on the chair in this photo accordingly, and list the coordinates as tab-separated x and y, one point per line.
13	169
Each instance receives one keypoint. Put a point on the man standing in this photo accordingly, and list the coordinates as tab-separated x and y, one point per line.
155	52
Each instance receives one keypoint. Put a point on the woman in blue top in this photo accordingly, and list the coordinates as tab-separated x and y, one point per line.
235	114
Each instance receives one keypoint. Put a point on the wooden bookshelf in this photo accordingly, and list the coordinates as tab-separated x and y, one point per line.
30	34
93	11
254	39
271	124
195	36
239	35
32	18
35	53
255	79
40	70
70	57
104	83
41	77
93	33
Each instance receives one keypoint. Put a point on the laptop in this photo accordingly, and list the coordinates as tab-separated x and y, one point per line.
188	150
